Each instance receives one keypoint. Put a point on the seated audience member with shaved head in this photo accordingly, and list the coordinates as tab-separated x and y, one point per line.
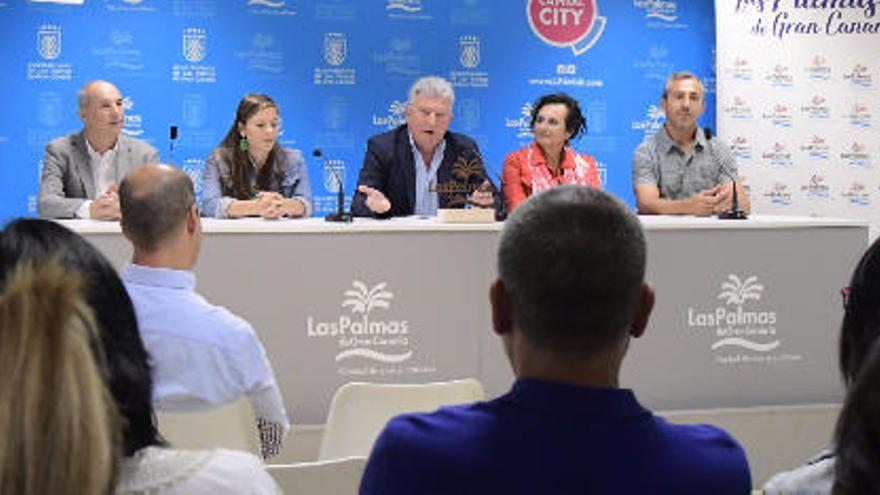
569	299
203	355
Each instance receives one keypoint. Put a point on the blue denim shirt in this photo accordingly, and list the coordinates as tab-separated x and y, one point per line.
217	192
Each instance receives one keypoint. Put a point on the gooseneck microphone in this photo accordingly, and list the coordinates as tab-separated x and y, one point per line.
340	215
735	212
172	137
500	205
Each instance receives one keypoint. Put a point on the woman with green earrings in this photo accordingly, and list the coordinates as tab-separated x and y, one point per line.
250	174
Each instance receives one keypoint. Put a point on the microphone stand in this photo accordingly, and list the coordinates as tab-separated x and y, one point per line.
340	215
172	136
735	212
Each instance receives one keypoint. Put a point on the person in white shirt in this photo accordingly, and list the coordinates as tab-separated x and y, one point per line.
203	355
75	400
81	170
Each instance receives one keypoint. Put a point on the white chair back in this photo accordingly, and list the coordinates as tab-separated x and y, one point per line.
359	411
232	426
336	476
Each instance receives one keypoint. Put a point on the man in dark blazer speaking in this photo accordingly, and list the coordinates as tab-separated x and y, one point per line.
421	166
81	170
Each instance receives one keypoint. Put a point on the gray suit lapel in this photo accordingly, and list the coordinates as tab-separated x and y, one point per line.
83	163
123	158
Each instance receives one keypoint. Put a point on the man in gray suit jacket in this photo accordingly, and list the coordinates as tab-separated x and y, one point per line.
81	170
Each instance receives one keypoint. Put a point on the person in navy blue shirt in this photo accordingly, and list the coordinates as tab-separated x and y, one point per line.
569	298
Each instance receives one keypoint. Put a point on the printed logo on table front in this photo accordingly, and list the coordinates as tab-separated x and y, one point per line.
574	24
742	328
367	342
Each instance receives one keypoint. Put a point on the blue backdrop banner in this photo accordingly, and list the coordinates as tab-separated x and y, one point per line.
340	70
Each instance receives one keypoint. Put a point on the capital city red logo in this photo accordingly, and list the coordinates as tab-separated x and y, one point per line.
566	23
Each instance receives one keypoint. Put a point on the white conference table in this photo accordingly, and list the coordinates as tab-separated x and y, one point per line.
747	311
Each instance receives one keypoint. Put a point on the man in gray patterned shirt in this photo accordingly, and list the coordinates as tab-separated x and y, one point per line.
682	170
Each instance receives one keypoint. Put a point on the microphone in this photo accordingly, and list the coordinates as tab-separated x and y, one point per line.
340	215
172	136
500	205
734	213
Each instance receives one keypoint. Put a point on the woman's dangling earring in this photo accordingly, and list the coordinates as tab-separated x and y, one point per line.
243	144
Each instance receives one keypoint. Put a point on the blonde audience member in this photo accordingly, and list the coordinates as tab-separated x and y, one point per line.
147	464
56	415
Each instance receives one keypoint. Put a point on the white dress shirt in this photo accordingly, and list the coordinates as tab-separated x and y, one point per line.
103	167
203	356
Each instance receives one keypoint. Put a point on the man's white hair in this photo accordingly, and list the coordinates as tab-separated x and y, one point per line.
432	86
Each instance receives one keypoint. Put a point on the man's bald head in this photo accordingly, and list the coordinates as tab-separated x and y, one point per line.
155	201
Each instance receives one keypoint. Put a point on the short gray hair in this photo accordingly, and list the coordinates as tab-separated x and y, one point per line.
572	260
432	86
678	76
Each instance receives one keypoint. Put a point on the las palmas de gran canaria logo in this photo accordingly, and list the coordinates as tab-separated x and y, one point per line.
732	325
361	334
396	116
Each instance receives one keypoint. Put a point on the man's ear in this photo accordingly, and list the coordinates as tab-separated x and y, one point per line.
192	219
643	311
502	312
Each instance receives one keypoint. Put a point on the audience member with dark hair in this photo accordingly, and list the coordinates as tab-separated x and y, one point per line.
147	465
855	453
250	173
857	466
203	355
549	160
37	241
565	427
